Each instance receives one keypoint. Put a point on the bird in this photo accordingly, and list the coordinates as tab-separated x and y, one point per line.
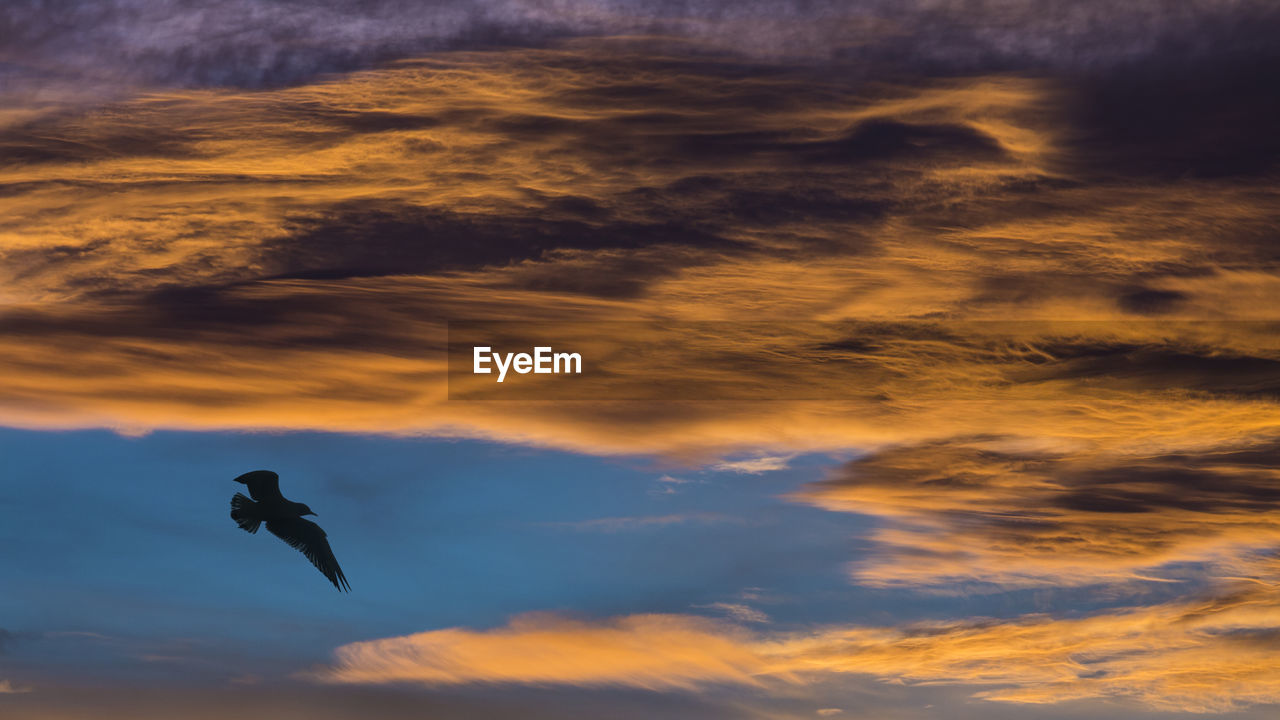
284	519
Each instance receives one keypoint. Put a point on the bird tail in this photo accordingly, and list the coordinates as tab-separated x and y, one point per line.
245	512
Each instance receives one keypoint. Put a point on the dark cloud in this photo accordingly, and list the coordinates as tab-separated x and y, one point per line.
760	200
970	509
273	42
1179	115
606	274
235	315
1156	366
35	144
1145	301
371	239
1187	356
883	140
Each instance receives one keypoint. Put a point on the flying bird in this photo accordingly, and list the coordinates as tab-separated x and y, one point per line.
284	520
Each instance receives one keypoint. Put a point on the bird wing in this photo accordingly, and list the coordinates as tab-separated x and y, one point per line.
264	485
307	537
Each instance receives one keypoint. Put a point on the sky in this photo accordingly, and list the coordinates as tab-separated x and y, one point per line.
931	358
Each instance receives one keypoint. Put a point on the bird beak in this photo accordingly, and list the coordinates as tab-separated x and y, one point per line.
312	513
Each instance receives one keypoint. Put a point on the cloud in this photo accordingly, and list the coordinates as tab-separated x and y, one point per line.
8	688
252	43
647	651
738	612
1211	655
288	258
1203	656
1131	123
753	466
983	511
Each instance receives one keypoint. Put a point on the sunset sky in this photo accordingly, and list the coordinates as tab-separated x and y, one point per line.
932	358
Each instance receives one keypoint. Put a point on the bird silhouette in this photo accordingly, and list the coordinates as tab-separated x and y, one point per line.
284	520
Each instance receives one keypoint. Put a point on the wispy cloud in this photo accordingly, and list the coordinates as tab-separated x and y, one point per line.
1205	656
753	466
649	651
973	512
8	688
670	485
738	612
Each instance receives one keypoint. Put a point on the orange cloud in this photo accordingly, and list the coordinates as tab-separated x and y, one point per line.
1208	656
986	511
286	259
1192	656
648	651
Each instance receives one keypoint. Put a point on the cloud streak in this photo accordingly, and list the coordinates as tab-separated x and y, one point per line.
647	651
1205	656
8	688
976	511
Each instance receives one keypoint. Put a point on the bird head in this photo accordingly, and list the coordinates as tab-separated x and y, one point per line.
304	510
